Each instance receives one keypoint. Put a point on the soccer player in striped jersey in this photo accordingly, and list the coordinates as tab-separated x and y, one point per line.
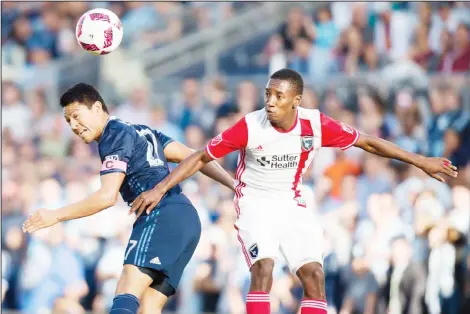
277	144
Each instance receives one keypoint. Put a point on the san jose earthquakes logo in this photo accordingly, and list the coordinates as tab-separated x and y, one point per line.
307	143
253	250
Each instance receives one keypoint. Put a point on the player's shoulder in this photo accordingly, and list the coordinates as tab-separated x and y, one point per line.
116	128
309	114
118	125
257	117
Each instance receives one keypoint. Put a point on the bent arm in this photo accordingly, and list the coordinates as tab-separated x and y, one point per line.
177	152
185	169
104	198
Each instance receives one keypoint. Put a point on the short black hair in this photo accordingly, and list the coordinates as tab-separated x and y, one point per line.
82	93
294	78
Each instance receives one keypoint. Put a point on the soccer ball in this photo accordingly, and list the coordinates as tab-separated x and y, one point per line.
99	31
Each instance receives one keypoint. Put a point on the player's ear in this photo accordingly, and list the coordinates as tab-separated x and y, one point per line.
297	100
97	107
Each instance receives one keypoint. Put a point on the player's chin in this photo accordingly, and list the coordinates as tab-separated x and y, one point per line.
86	139
272	118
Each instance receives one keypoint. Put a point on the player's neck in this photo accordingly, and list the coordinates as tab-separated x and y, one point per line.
105	121
287	124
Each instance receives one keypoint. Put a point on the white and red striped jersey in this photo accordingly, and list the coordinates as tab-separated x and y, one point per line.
272	161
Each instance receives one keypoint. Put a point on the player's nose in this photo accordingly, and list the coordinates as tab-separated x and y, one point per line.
74	125
271	102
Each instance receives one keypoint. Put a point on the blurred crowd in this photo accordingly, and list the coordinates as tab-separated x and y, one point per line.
396	241
355	37
379	217
35	33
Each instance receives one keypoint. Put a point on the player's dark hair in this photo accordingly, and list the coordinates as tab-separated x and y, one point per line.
82	93
294	78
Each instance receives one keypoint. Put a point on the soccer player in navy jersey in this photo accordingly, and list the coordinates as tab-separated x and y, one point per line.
134	159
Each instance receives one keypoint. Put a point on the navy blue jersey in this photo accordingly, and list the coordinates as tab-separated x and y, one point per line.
137	151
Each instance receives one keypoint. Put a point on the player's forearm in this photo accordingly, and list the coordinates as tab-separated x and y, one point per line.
95	203
215	171
184	170
387	149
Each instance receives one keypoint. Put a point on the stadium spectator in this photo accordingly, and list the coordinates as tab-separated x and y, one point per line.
406	281
457	59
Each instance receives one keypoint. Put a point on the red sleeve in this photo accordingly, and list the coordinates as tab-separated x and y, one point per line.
229	140
337	134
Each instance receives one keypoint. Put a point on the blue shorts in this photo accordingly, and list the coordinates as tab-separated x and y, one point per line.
166	239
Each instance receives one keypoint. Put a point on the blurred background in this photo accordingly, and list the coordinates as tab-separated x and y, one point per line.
396	241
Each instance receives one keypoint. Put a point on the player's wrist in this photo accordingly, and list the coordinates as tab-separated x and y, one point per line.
161	187
60	215
418	161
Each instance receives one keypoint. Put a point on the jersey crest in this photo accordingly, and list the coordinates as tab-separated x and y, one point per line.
253	250
307	143
216	140
347	128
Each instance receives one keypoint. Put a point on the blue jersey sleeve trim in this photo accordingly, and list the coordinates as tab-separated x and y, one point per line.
167	142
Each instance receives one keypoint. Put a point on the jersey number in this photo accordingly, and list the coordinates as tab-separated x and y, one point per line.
132	243
152	148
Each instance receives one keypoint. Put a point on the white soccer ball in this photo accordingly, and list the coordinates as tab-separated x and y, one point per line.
99	31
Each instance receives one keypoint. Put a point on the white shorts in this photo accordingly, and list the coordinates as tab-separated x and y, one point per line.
267	228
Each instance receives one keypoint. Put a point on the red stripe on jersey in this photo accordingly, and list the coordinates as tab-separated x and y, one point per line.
245	252
305	130
238	189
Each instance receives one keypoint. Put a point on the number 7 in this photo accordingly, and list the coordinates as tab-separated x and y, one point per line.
133	244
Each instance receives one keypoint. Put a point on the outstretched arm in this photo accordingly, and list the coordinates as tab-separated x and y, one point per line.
432	166
177	152
338	134
105	197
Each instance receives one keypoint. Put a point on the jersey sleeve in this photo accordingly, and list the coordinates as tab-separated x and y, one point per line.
163	139
337	134
116	150
461	122
229	140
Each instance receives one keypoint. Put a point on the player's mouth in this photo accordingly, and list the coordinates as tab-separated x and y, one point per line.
270	113
81	133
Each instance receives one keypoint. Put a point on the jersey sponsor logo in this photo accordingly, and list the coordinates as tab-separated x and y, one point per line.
347	128
216	140
285	161
263	161
253	250
111	157
307	143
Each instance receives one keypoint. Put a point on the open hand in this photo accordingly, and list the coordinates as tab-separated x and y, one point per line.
40	219
146	201
434	166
